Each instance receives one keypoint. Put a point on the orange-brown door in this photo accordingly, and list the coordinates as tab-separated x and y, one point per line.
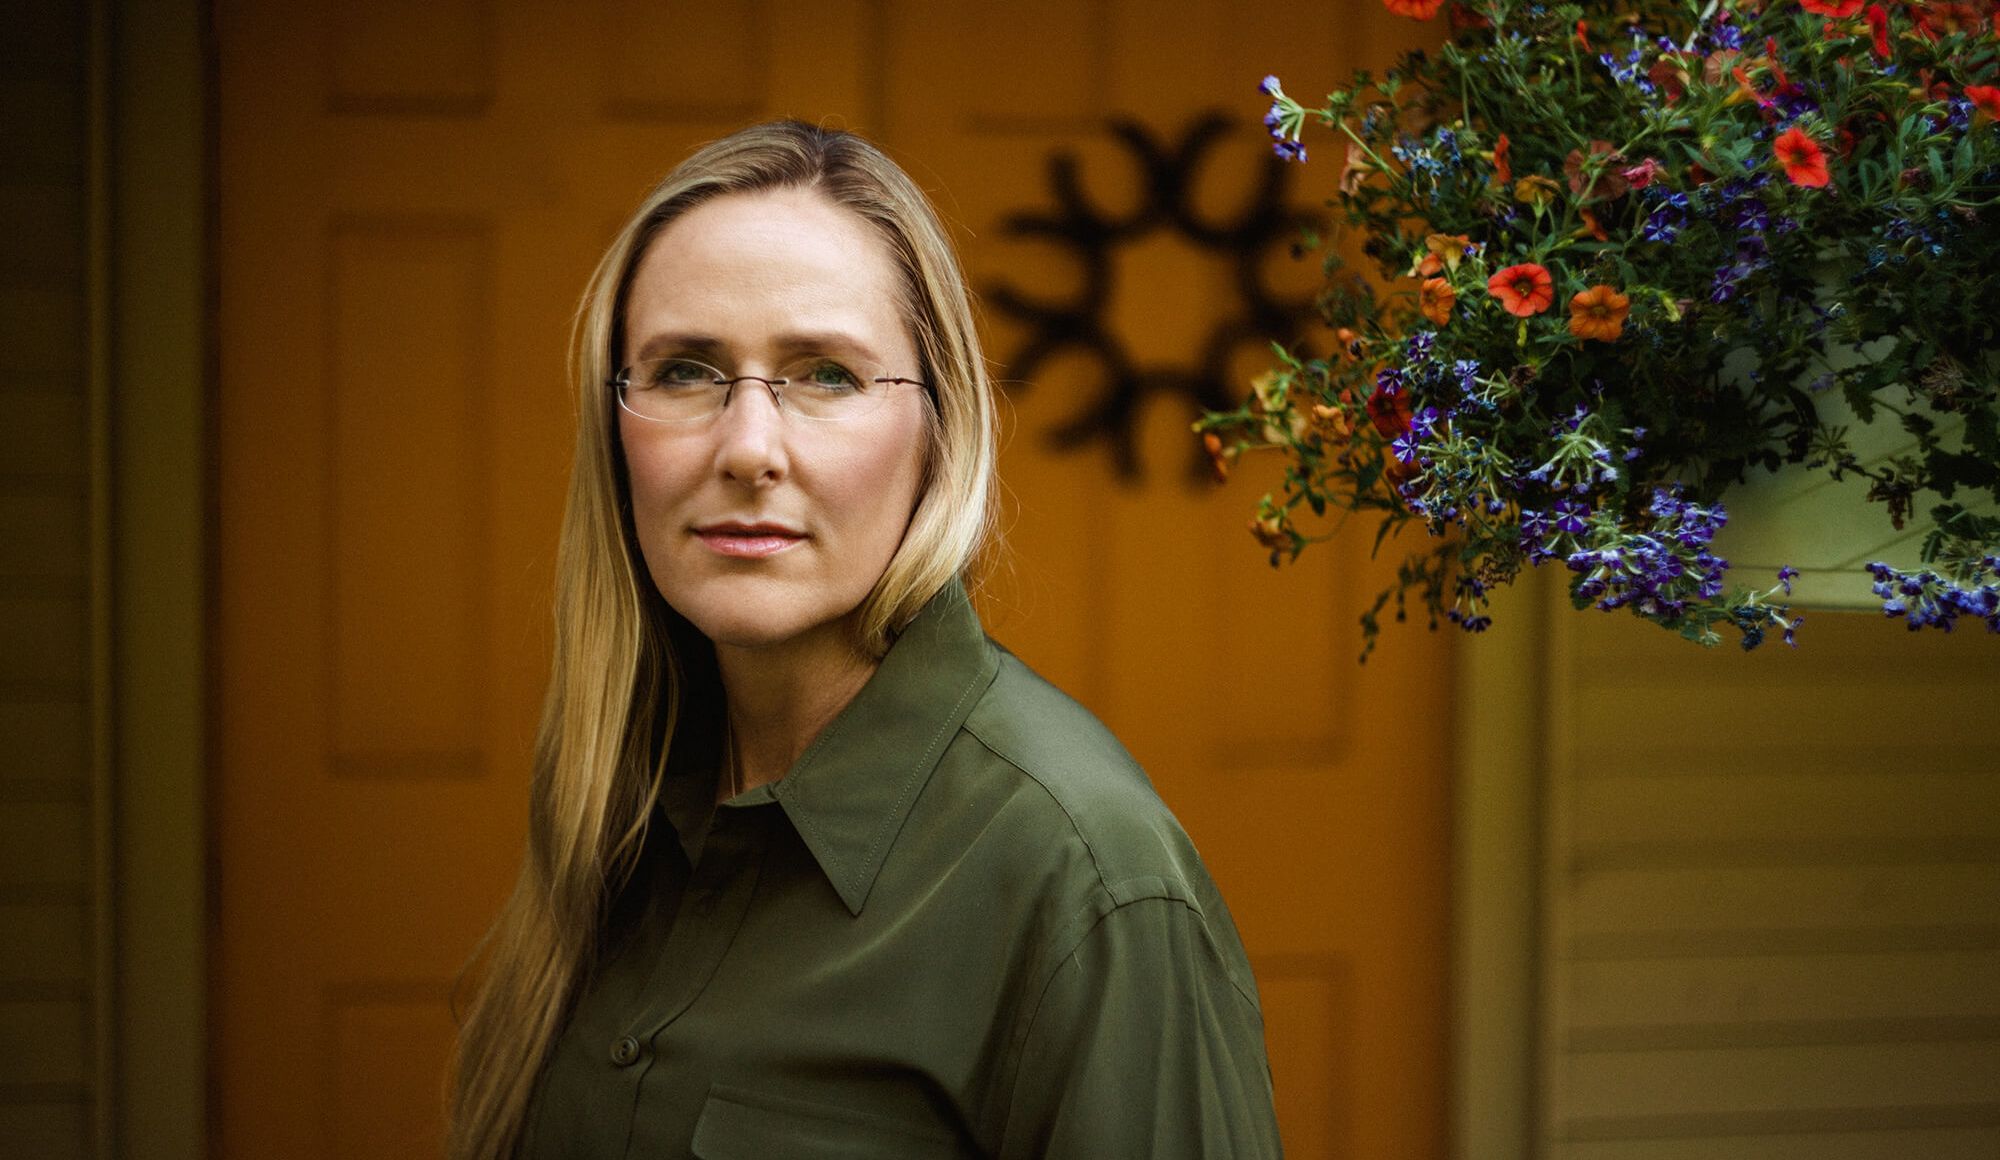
412	196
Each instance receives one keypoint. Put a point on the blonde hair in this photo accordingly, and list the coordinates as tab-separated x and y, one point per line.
618	683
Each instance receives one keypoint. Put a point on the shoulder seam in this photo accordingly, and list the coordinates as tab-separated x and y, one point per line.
1096	863
1019	1038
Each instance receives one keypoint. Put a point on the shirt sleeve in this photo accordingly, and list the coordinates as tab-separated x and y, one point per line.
1144	1045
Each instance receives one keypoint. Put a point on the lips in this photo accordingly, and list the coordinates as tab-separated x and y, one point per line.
748	541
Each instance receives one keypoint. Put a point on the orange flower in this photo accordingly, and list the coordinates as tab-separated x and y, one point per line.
1414	9
1503	169
1438	299
1355	173
1536	190
1599	313
1803	160
1523	290
1592	227
1718	64
1985	98
1271	533
1446	250
1746	93
1835	9
1218	459
1331	423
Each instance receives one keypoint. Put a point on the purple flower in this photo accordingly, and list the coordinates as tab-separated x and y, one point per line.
1926	599
1571	517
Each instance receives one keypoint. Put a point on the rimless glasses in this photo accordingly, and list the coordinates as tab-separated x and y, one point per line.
684	390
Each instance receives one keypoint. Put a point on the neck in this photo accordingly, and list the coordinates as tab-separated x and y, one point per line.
779	700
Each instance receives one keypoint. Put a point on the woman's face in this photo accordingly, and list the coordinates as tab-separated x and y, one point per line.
762	527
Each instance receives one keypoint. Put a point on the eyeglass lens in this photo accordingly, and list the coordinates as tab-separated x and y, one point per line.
675	390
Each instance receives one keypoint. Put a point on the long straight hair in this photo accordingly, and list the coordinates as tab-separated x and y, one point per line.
620	681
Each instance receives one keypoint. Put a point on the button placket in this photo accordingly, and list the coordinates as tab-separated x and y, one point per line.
718	894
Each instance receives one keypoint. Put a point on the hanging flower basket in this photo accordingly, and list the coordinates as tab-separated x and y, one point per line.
1629	261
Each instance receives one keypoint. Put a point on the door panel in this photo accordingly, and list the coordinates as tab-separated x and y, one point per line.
413	195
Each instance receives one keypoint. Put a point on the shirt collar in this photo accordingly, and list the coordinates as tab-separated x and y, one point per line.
849	793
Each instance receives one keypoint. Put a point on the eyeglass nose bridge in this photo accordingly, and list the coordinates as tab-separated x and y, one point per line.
728	386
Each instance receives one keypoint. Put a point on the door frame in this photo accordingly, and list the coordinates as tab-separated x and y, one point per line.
151	358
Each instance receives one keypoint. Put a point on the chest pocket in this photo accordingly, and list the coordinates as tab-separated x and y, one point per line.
736	1124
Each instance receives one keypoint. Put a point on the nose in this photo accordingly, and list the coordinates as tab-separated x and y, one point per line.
750	435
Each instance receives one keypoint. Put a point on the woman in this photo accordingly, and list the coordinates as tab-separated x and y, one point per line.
814	868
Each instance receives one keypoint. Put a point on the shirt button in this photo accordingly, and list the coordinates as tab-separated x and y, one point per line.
625	1052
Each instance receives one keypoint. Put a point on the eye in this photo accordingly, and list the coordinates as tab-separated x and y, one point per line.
826	376
674	373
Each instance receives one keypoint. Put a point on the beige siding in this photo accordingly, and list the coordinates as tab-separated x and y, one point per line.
1771	895
47	1016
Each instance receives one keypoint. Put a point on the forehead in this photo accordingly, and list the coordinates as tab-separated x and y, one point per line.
745	270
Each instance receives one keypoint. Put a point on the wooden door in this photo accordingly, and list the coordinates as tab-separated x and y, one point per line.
412	197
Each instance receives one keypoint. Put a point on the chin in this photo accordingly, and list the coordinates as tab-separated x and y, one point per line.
749	616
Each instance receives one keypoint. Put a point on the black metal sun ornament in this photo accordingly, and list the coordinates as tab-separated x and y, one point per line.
1082	325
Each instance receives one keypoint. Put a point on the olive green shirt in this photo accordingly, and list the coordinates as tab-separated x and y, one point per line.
963	924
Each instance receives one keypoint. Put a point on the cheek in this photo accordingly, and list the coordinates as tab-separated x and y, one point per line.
656	472
886	478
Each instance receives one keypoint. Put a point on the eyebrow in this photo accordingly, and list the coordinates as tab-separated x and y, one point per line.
798	342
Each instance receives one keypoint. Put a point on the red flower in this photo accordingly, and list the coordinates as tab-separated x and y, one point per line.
1832	9
1946	17
1414	9
1523	290
1878	23
1609	182
1642	175
1390	412
1803	159
1463	19
1670	77
1985	98
1503	169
